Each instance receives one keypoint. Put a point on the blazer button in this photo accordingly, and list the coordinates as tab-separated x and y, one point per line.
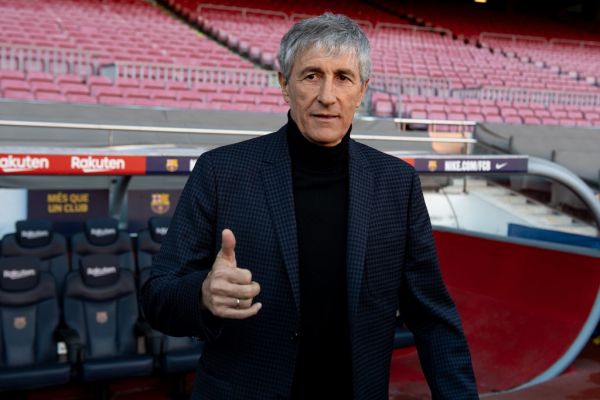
295	336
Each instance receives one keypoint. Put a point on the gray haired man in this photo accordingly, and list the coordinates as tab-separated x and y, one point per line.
290	254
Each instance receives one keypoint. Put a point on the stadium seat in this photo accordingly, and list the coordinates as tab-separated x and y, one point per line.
101	312
102	236
35	238
384	108
178	354
148	244
30	316
45	87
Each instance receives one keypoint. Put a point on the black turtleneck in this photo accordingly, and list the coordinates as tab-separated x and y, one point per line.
320	182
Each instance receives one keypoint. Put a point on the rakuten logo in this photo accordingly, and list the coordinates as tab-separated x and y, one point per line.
162	231
101	271
34	234
90	164
12	164
14	274
101	232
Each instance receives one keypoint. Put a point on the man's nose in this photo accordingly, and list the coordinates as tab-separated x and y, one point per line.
326	92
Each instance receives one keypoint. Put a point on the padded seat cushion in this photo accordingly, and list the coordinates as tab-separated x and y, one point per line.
111	368
35	376
181	361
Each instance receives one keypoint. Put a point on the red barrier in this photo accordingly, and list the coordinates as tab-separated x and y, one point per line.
522	309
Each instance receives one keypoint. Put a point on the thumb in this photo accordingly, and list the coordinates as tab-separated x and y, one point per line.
228	245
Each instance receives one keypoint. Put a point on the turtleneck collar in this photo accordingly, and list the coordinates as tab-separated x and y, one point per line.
310	156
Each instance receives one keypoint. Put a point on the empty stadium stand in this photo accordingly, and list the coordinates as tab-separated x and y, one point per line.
470	20
45	57
453	80
575	59
138	55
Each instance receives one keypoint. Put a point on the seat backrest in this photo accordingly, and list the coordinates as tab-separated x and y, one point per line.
102	236
148	244
29	314
36	238
100	303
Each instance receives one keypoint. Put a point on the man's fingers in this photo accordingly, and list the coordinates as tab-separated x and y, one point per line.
223	288
222	302
241	276
228	245
241	313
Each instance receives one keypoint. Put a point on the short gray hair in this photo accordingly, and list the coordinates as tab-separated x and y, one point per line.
333	33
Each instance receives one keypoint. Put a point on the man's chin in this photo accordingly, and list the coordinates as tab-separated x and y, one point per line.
328	138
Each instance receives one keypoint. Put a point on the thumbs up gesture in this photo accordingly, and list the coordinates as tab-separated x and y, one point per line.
228	291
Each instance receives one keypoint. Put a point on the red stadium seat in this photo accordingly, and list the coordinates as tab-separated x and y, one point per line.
384	108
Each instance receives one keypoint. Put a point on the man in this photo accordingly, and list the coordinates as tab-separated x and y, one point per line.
290	254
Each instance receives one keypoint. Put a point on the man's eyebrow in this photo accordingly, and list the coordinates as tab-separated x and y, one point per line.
310	68
339	71
345	71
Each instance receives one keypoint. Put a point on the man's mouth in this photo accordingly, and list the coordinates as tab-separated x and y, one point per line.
325	116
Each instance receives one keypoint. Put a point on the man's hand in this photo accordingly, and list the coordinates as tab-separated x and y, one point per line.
228	291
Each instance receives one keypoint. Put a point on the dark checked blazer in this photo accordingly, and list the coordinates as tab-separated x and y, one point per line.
392	263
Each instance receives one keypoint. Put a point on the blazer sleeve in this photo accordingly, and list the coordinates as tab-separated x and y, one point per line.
430	313
171	297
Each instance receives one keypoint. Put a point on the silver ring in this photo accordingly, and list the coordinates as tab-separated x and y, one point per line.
237	303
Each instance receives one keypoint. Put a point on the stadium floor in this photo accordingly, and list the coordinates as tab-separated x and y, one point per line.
580	382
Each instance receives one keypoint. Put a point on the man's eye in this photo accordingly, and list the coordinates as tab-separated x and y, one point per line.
311	77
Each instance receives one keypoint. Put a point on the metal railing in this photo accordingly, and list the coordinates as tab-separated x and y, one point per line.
53	60
412	28
483	36
111	128
515	39
546	97
244	11
190	74
410	85
391	83
583	44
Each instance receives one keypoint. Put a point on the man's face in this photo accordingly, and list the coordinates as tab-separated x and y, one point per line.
323	92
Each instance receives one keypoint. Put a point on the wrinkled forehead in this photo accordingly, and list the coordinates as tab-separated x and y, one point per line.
343	56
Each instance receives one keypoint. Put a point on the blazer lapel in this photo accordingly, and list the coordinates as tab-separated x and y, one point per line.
359	208
277	177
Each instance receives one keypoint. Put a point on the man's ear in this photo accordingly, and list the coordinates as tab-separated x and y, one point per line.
363	91
284	87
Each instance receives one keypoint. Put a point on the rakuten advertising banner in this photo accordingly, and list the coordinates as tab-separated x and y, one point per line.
60	164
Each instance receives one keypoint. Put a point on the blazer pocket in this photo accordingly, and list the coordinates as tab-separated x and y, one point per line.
208	387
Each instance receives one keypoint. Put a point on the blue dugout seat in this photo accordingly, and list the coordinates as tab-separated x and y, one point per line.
102	236
178	354
101	312
30	316
36	238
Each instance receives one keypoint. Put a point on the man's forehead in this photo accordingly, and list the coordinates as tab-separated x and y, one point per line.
319	56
